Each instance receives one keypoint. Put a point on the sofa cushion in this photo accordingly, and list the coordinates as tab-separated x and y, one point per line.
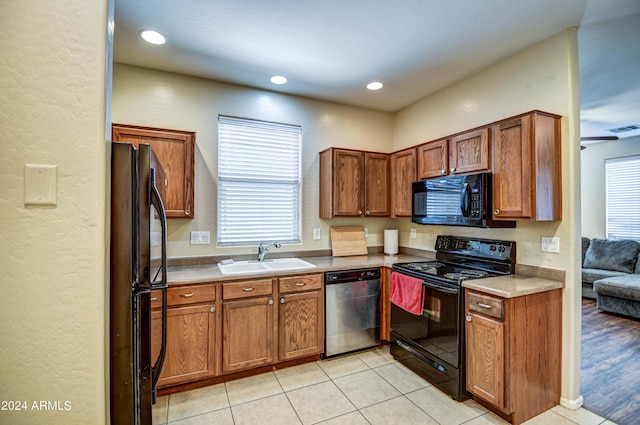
591	275
627	287
612	255
585	246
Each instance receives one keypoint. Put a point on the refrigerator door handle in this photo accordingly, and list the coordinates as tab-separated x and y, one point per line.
156	201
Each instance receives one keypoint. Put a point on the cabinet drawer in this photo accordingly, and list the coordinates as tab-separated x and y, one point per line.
246	289
300	283
486	304
186	295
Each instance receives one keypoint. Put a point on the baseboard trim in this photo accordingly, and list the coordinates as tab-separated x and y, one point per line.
572	404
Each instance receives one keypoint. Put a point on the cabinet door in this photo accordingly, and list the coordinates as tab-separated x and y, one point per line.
512	173
348	174
485	346
376	184
191	336
247	335
433	159
403	174
469	152
301	325
175	150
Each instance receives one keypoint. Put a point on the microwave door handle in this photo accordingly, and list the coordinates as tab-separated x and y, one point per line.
465	200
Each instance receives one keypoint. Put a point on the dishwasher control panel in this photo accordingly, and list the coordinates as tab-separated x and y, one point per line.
351	275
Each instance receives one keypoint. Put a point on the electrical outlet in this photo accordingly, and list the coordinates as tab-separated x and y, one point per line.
550	244
366	232
200	238
431	237
413	233
316	234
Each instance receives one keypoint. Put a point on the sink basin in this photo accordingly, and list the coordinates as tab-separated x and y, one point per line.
254	266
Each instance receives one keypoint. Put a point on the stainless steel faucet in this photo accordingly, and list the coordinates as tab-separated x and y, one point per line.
262	251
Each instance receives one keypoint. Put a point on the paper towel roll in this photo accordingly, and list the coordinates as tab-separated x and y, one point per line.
391	241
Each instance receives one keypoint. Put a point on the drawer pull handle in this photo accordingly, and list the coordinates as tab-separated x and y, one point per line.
187	295
300	284
155	299
483	305
248	289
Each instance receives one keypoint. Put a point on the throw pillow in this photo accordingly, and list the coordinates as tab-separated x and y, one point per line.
612	255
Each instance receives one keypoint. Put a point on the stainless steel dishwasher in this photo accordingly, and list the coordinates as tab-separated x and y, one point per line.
352	310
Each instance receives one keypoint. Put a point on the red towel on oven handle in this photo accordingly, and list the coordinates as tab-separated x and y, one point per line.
407	293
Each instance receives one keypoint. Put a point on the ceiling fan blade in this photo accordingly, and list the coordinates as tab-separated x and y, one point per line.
582	139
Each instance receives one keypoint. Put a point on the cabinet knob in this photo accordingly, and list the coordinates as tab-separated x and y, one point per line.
281	300
270	302
367	212
187	212
443	171
359	212
212	309
468	318
452	169
496	212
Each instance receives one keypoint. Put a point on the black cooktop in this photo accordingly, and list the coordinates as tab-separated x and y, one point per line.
459	259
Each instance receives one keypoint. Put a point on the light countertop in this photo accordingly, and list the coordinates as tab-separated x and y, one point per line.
177	275
514	285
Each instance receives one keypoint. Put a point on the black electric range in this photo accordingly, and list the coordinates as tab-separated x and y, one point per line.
432	344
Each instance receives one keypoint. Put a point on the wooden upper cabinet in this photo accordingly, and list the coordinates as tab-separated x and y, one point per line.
527	168
175	150
353	183
403	167
433	159
376	184
469	152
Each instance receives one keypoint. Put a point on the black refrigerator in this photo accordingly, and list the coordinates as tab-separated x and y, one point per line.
138	273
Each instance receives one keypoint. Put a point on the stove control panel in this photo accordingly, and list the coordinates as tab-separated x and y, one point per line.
482	248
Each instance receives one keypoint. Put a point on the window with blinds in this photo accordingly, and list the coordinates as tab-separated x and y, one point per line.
623	198
258	182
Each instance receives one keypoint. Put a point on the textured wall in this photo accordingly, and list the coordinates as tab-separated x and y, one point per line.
160	99
52	260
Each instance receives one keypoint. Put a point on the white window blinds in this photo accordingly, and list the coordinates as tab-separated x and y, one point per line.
623	197
258	182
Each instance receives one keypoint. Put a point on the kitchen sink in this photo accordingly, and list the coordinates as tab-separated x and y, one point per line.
254	266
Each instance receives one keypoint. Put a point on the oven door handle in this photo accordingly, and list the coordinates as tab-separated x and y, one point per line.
440	287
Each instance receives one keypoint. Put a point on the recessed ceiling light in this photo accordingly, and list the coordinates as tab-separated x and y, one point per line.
279	79
376	85
152	37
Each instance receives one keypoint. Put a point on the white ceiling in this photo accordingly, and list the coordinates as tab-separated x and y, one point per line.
330	49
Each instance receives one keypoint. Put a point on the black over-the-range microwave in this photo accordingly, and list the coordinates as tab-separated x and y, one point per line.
455	201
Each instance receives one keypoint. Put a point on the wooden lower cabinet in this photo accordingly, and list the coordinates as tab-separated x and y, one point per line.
301	317
247	333
191	334
248	317
513	350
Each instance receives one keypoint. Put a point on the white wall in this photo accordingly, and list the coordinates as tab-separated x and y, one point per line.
544	77
52	260
593	181
160	99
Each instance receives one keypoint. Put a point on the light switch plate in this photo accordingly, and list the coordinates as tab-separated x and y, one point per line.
550	244
40	185
413	234
200	238
316	234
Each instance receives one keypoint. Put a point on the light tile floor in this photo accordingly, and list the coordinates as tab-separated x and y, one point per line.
367	388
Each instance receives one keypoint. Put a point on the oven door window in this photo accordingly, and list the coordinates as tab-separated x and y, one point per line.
436	330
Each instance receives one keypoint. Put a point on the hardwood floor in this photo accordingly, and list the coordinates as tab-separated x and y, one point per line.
610	376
